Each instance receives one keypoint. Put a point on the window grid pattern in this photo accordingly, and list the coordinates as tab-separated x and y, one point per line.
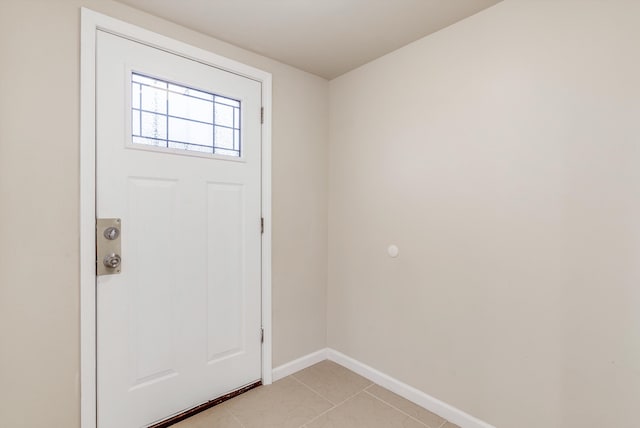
172	116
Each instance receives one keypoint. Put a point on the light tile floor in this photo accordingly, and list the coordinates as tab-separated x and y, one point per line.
325	395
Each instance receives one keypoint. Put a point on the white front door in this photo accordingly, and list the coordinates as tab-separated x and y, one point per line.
178	161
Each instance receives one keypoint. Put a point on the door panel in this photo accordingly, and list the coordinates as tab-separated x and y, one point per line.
153	207
180	325
225	242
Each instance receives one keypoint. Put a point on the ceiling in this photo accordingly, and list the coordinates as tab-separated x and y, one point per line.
323	37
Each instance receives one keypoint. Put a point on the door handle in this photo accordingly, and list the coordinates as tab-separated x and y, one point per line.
108	239
112	261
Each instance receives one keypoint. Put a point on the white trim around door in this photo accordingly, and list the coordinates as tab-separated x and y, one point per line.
91	23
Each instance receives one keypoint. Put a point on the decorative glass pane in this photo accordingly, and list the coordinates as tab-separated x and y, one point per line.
224	115
224	137
172	116
191	92
227	101
191	108
149	141
136	90
154	126
154	99
190	147
135	123
149	81
188	131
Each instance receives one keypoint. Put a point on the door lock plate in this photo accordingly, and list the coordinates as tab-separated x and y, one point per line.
108	248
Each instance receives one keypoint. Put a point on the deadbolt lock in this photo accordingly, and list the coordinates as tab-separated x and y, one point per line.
111	233
108	240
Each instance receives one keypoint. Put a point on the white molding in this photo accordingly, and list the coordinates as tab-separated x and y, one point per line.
91	22
267	364
88	411
422	399
299	364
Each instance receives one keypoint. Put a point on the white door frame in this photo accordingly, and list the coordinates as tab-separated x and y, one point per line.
91	23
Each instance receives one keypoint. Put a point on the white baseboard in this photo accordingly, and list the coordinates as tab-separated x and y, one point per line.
412	394
299	364
422	399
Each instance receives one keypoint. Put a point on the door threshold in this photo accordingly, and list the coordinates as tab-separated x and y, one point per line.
204	406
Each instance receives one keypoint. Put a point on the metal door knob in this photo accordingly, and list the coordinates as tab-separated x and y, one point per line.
112	261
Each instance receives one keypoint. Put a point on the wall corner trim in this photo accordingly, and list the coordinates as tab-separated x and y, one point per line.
422	399
299	364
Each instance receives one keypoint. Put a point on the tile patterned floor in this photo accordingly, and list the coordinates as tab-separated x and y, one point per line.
325	395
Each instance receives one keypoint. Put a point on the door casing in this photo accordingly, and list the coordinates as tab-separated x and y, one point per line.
90	23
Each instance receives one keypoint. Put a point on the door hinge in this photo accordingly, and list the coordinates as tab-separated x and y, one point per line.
262	335
261	224
261	115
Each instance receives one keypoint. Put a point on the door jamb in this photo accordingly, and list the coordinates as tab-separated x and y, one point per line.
91	22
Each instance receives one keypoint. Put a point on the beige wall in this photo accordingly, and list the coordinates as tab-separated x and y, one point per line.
502	155
499	154
39	188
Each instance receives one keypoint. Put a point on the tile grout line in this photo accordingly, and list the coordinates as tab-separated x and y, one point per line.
312	390
444	421
323	397
403	412
334	405
235	418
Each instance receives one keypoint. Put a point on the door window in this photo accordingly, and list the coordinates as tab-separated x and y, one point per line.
172	116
